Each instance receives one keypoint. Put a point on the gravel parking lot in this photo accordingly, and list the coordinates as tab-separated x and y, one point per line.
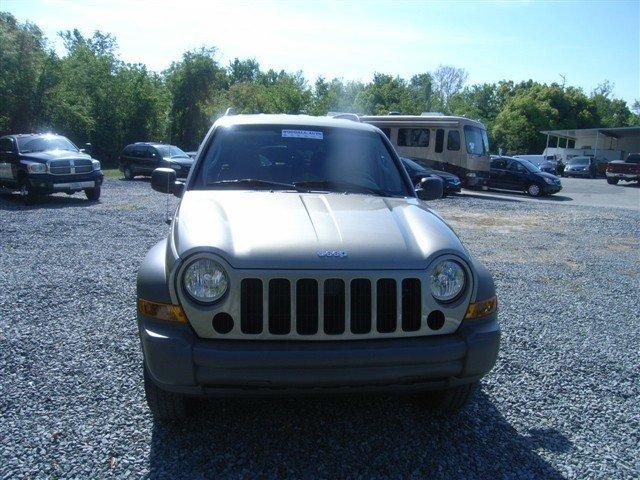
562	402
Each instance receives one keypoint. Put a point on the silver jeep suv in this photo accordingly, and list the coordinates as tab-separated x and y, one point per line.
301	259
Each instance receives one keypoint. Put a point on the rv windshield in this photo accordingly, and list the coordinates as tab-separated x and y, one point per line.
477	141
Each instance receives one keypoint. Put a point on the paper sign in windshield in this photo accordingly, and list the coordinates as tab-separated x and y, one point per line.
302	134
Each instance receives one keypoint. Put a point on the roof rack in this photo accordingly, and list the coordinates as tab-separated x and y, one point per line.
230	111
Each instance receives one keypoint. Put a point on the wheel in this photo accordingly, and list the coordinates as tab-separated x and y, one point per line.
93	194
29	197
128	173
613	181
162	404
453	399
534	190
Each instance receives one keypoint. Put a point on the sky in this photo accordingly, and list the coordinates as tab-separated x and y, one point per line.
585	42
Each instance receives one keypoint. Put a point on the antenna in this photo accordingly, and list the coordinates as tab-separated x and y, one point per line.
167	216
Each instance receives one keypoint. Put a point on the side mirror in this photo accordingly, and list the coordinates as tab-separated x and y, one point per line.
430	188
163	180
88	148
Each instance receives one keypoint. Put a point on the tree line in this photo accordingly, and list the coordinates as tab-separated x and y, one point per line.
90	95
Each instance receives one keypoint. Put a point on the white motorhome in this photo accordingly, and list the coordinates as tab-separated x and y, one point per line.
453	144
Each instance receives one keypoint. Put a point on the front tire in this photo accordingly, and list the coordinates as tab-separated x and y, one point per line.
534	190
162	404
29	197
613	181
128	173
93	194
453	399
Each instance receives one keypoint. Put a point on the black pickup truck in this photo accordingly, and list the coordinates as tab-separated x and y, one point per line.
41	164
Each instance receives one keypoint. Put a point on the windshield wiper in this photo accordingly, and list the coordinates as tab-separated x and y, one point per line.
253	184
337	185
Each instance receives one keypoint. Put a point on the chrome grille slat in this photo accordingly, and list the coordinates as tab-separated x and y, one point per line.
360	305
279	306
334	306
306	311
387	309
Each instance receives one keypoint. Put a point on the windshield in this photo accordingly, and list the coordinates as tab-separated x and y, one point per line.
312	158
412	166
170	151
477	140
530	166
44	143
579	161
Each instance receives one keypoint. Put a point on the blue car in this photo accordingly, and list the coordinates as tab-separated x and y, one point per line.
451	183
508	173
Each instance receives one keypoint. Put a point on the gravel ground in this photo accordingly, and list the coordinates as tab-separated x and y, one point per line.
563	400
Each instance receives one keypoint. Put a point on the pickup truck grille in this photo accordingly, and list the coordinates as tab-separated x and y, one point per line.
69	167
331	307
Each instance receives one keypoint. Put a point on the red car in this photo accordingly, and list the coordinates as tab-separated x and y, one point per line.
629	170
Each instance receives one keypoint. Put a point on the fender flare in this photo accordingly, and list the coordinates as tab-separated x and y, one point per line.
152	280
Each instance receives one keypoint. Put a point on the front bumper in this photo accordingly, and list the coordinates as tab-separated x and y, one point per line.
47	183
452	187
577	173
623	176
479	179
179	361
551	189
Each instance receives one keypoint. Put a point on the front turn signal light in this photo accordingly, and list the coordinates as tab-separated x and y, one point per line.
162	311
481	309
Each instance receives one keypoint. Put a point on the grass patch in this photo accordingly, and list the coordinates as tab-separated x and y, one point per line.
112	173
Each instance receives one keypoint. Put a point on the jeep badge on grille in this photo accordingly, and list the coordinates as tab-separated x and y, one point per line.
332	253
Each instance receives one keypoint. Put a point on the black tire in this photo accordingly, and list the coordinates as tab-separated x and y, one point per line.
93	194
162	404
29	197
453	399
128	173
534	190
613	181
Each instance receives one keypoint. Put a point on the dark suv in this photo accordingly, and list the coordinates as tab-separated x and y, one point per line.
41	164
509	173
142	158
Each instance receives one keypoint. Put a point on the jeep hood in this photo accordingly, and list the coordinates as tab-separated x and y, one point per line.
286	230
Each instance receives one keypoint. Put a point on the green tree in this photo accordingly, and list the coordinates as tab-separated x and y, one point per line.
384	94
197	85
22	55
243	71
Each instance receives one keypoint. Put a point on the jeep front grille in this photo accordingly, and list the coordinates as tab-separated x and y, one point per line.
321	307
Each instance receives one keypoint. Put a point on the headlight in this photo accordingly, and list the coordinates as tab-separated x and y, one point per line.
37	168
96	165
205	281
550	181
471	175
447	280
